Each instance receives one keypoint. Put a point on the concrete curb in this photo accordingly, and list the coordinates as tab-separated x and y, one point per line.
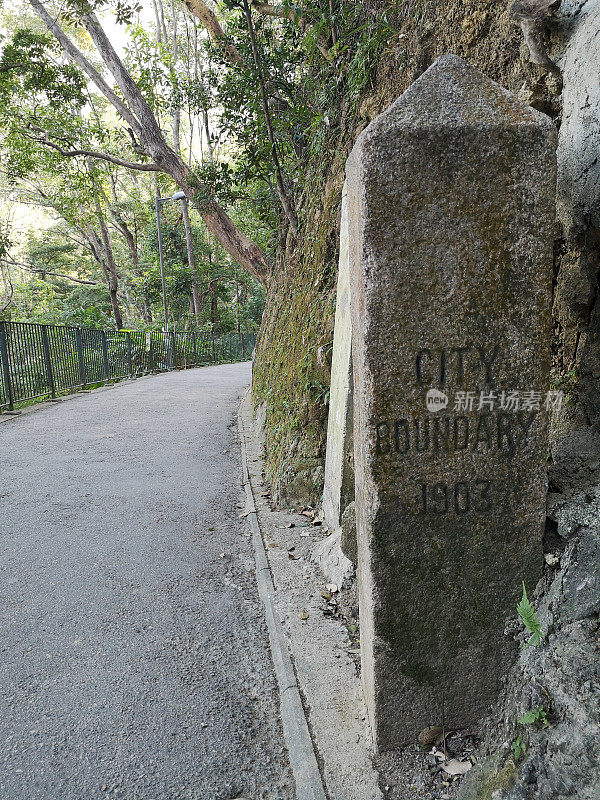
309	785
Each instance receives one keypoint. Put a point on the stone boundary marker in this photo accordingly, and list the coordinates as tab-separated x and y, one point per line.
451	206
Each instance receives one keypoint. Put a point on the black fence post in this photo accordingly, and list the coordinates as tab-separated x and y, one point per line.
173	350
5	367
105	356
167	347
79	343
213	348
48	361
129	354
151	367
241	336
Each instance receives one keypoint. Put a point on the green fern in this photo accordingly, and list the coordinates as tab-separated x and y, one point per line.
537	716
518	747
530	619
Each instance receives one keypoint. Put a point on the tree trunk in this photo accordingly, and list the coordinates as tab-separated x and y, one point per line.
235	242
110	268
129	240
189	242
146	311
214	307
198	301
209	145
116	309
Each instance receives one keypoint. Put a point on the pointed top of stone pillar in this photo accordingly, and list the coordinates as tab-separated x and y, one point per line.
452	93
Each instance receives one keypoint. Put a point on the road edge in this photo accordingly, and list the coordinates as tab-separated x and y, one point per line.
303	761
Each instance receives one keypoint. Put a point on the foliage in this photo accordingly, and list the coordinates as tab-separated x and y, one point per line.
59	303
536	716
530	620
43	98
315	66
518	747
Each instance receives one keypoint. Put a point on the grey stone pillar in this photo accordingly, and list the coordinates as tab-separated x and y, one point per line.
451	206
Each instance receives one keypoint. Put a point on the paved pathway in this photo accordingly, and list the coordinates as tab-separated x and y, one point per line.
134	658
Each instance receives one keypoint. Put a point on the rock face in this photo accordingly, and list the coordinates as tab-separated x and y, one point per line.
576	302
561	677
578	164
348	540
451	208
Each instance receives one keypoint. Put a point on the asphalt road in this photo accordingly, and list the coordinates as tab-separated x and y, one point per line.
134	658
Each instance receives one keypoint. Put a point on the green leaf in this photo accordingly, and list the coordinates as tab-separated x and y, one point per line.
518	747
530	619
529	718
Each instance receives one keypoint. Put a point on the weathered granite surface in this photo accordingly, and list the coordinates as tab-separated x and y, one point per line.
577	302
562	677
451	207
348	540
578	198
339	424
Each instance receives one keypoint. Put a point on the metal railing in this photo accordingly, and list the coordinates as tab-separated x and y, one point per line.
39	362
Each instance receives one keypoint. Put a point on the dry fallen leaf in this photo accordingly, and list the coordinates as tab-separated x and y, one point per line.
456	767
304	614
429	736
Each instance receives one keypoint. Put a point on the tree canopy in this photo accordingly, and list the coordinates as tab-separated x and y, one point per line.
220	101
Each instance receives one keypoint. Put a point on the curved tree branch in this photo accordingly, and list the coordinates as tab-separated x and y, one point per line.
139	166
293	15
79	59
283	12
29	268
146	127
209	19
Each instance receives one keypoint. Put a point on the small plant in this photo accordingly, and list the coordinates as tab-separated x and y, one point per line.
530	619
569	384
537	716
518	747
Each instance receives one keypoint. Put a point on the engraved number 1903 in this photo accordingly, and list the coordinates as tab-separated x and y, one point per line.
461	497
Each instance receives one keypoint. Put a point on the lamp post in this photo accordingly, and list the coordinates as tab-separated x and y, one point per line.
159	202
